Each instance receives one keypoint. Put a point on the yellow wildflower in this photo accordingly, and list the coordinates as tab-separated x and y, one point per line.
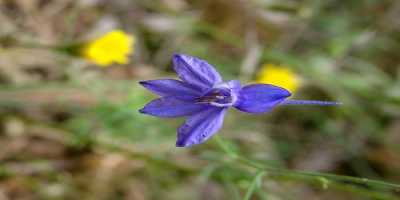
278	75
113	47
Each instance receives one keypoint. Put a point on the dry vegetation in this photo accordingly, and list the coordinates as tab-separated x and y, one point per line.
71	130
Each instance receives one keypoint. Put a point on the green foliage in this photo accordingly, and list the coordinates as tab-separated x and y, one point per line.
78	133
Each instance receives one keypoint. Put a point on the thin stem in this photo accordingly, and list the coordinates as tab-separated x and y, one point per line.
255	183
310	102
315	176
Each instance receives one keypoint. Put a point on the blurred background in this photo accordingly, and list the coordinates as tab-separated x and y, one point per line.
70	127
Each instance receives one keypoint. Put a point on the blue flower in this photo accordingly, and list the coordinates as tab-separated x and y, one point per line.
203	97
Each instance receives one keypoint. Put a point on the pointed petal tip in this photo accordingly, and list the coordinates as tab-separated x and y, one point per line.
181	144
143	83
286	93
145	110
177	56
142	111
146	84
185	144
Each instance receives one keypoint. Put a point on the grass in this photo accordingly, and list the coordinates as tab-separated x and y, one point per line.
71	130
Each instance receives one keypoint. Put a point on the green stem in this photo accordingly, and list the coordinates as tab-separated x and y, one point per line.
255	183
315	176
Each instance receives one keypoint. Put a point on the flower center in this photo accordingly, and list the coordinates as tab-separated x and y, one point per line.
220	96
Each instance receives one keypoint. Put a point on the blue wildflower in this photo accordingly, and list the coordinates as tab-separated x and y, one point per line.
203	97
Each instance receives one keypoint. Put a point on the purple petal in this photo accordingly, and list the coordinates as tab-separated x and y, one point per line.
200	127
259	98
171	107
170	87
195	71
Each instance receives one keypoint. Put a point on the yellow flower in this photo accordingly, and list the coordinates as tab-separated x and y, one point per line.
278	75
113	47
